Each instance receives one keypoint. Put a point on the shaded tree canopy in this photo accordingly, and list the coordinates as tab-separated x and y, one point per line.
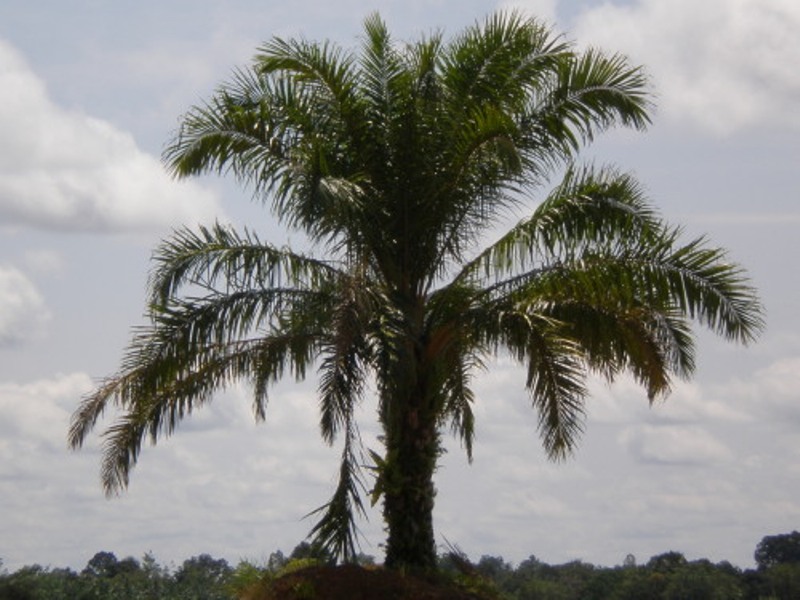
778	549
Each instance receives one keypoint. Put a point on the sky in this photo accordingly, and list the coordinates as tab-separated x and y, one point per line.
89	94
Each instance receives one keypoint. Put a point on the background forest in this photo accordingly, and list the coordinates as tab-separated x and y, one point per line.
667	576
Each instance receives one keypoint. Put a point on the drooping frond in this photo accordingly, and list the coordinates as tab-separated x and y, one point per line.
455	355
704	285
345	353
163	382
556	384
143	415
459	399
596	273
555	375
336	530
238	330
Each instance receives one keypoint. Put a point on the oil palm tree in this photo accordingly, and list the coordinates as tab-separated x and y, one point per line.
400	162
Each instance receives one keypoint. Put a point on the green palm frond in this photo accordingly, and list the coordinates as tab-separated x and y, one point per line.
192	350
323	67
455	355
555	379
336	530
589	208
556	383
237	130
153	398
592	92
345	357
459	400
209	257
500	61
704	285
382	68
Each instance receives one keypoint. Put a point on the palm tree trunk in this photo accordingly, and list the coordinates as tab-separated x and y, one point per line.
412	449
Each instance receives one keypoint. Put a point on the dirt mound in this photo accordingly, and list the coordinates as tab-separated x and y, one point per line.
349	582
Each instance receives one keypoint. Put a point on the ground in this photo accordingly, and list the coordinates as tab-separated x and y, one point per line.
350	582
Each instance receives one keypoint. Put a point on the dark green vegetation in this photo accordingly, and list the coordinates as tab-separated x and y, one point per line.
667	576
399	162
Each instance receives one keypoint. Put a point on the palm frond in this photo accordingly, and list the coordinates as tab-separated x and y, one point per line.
336	530
190	352
240	129
555	377
345	357
556	383
592	92
705	285
498	62
219	256
381	66
324	66
589	209
459	400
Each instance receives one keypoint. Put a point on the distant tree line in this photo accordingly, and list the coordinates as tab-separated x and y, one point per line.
667	576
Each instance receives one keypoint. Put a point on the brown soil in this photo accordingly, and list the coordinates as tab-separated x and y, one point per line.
349	582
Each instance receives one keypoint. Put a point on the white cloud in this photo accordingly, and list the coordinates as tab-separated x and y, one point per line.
625	401
23	314
719	64
678	445
541	9
44	261
65	170
772	392
36	414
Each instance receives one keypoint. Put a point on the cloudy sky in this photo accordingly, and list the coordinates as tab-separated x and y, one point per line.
89	93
